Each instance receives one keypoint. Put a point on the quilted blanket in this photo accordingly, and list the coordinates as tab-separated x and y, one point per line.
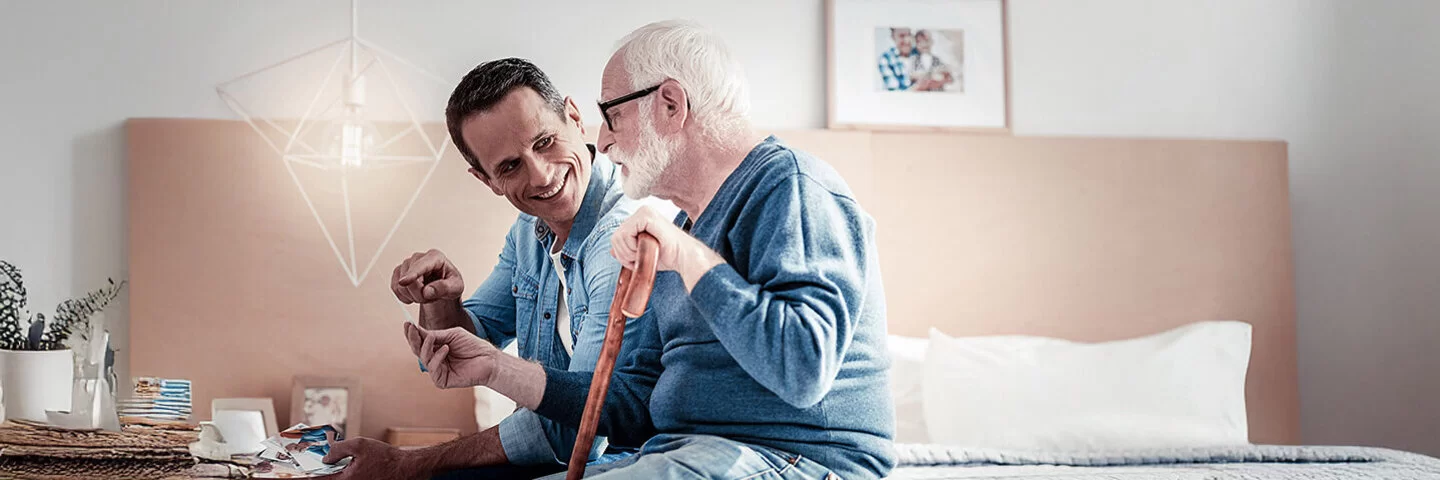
1251	462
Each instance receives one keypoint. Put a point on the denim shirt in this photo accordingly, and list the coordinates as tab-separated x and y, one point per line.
519	302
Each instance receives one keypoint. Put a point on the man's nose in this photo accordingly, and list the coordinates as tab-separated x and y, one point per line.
605	139
541	172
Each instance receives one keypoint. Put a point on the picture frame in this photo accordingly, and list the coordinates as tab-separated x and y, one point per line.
955	77
244	421
321	400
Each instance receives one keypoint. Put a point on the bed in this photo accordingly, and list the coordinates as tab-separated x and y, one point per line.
1169	405
1096	259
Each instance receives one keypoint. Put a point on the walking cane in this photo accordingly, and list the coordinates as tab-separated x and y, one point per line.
632	294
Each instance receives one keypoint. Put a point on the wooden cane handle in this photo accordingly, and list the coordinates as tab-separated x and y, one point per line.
642	281
632	295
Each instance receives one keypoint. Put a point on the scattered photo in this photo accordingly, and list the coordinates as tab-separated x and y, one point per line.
299	452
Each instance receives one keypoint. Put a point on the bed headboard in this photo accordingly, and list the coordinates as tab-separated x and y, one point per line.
1081	238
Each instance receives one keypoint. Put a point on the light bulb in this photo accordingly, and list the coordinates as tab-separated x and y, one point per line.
352	144
349	140
354	139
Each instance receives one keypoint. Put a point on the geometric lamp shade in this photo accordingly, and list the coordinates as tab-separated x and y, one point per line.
350	141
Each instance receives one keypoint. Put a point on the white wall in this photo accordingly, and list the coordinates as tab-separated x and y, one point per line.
1352	87
1348	84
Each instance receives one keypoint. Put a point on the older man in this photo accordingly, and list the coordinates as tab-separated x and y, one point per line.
554	281
769	306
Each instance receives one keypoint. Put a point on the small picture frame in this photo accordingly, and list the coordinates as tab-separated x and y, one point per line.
334	401
244	422
918	65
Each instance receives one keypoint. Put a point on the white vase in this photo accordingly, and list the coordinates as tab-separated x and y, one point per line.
36	381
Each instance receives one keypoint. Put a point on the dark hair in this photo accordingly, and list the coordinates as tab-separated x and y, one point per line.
486	85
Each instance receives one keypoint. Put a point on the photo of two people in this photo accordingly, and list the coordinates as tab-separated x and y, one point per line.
919	60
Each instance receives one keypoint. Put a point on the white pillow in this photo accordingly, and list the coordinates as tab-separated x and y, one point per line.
907	376
1180	388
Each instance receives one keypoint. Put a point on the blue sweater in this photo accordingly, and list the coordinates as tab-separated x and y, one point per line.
783	346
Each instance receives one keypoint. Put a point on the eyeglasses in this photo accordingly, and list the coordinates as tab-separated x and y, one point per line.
606	106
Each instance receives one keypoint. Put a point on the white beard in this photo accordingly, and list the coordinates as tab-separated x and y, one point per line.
648	161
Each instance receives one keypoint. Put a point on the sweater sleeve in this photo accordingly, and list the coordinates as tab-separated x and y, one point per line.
790	317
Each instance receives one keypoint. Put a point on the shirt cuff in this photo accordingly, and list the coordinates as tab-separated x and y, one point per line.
522	435
475	323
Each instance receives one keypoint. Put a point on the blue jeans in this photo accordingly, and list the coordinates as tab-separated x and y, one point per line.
501	472
518	472
669	456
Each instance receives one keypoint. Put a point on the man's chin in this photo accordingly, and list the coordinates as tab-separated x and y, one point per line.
635	193
636	189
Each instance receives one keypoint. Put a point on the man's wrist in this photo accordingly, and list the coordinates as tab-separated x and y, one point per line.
518	379
441	314
696	259
420	463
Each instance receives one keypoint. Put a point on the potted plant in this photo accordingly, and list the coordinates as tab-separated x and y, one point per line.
36	365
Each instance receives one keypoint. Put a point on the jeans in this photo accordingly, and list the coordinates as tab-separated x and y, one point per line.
669	456
519	472
501	472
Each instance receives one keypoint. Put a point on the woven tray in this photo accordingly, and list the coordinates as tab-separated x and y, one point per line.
32	451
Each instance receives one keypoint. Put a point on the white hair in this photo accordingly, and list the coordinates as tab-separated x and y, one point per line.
698	59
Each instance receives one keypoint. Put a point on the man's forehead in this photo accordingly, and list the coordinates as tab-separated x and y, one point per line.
501	132
614	78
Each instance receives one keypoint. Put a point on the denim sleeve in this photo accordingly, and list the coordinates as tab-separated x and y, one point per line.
790	318
492	306
525	437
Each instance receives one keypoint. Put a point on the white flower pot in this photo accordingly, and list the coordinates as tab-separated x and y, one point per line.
34	382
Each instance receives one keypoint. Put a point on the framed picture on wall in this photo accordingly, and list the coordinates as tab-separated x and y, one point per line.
333	401
940	65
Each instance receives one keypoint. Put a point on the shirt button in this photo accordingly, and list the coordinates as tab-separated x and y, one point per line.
514	289
547	315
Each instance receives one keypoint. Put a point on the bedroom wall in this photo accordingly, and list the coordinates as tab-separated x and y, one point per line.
1350	85
1346	83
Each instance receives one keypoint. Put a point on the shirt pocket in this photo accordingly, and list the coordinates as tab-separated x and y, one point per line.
526	290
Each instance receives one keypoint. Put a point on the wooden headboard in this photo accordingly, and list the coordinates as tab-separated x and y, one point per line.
1082	238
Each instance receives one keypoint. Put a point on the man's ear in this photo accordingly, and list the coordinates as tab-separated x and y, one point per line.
485	179
572	113
673	108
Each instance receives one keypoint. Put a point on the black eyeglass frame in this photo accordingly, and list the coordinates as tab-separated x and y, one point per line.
606	106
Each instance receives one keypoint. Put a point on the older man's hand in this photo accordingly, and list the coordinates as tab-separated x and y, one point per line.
454	357
373	459
679	251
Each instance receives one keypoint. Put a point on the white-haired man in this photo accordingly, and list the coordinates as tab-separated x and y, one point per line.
769	305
